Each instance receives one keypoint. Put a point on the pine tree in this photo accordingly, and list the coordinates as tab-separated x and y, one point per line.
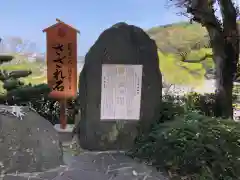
16	91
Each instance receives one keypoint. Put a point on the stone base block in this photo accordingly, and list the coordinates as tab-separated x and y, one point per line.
65	135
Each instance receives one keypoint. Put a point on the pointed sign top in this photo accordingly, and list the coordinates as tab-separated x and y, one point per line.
60	22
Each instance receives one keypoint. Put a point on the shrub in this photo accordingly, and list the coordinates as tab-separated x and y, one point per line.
46	107
50	109
204	103
172	106
193	146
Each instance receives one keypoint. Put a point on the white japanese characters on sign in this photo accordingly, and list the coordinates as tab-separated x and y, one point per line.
121	92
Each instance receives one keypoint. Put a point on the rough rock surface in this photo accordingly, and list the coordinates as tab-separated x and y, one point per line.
120	44
99	166
30	144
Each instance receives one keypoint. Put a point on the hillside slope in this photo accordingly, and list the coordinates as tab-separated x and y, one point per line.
174	39
179	36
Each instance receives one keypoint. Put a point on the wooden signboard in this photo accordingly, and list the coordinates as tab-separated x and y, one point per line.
62	60
62	63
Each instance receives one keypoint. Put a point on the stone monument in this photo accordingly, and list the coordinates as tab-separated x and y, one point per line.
120	89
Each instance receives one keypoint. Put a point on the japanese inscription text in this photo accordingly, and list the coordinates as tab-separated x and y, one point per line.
58	73
69	67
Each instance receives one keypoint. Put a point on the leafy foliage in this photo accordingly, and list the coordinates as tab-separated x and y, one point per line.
183	73
192	146
37	98
20	62
177	72
188	143
50	109
203	103
172	106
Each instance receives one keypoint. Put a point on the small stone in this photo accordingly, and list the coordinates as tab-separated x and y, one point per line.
134	173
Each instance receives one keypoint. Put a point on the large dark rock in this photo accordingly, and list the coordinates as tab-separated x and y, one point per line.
30	144
126	45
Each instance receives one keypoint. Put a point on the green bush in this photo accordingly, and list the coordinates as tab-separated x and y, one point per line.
193	146
37	98
172	106
204	103
50	109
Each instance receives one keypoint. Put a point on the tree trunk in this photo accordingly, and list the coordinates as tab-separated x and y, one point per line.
223	107
224	85
224	40
225	47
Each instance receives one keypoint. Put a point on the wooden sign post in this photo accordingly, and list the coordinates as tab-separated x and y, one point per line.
62	64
